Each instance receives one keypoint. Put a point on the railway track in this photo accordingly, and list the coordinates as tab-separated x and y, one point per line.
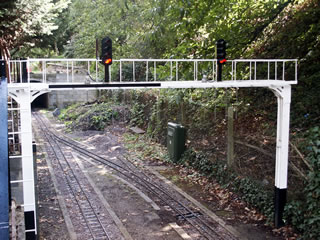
89	213
184	211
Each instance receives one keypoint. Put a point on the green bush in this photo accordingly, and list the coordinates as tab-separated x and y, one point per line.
305	214
137	116
88	117
70	113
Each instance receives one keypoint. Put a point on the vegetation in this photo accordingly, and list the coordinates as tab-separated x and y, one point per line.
89	117
304	214
25	23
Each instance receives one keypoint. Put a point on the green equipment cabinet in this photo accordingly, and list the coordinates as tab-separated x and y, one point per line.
176	139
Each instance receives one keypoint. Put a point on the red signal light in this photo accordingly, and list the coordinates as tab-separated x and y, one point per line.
223	61
108	61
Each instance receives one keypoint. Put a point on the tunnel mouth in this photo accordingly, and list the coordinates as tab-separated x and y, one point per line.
41	102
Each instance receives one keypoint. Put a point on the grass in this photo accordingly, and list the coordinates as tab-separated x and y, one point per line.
146	149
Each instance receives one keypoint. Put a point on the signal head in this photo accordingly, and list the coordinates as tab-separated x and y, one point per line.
221	51
106	51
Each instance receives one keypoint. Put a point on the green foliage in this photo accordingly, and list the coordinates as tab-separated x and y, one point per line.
168	28
157	125
144	148
295	34
305	214
137	114
25	22
312	190
124	21
70	113
88	117
196	109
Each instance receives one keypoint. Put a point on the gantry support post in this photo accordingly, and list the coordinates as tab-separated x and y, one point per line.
281	172
4	172
24	98
27	164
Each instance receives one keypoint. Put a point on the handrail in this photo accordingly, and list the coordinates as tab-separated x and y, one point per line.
135	70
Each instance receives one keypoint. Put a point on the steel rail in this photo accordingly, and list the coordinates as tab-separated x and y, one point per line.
68	180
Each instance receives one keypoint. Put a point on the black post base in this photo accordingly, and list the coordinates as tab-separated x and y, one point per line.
30	225
219	72
279	203
106	73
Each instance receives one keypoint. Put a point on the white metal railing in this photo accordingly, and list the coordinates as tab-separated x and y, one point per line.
145	70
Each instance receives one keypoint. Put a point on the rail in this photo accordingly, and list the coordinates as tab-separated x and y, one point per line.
147	70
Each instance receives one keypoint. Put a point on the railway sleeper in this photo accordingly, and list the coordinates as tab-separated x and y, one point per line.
188	215
100	237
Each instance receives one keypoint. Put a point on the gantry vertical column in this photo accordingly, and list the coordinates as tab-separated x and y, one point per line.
23	97
282	152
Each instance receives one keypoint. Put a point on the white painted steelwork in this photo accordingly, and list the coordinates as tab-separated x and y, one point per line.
20	137
162	69
283	94
275	74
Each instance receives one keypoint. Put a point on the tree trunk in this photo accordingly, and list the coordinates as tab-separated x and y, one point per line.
230	155
183	112
5	55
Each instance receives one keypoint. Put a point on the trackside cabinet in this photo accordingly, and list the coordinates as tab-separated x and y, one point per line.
176	139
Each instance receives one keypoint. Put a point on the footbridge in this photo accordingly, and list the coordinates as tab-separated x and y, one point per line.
25	80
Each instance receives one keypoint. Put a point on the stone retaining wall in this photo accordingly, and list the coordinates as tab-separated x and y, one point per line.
63	98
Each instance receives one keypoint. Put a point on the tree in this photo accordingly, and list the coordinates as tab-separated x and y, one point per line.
122	20
25	22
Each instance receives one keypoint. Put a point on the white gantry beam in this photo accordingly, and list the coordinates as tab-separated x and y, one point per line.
42	88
